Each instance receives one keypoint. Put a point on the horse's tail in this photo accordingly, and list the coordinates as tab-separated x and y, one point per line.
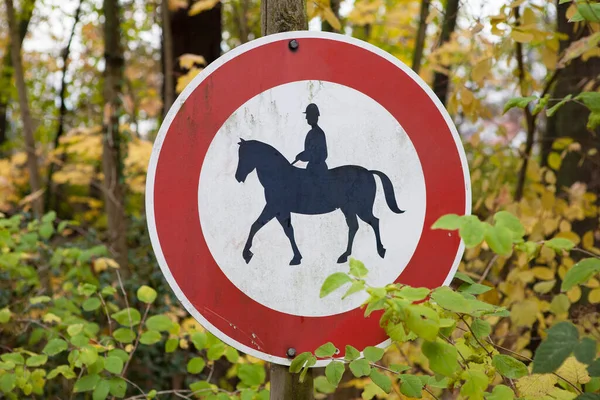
388	190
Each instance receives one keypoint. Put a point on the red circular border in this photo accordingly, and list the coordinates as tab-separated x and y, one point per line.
187	141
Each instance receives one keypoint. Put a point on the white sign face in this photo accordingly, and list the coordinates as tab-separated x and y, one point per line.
358	131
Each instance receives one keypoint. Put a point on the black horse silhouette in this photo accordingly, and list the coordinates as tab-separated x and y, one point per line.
289	189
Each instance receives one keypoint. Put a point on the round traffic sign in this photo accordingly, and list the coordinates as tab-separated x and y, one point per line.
283	159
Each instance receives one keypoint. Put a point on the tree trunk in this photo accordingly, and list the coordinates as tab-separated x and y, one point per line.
32	160
282	16
62	109
7	68
420	41
168	59
199	34
571	119
287	386
440	80
112	166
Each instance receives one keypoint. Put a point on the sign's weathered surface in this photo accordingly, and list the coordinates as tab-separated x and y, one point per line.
281	160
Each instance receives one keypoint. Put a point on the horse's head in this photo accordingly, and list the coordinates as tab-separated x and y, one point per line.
246	162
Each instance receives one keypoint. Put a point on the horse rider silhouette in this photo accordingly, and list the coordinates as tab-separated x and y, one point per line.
315	145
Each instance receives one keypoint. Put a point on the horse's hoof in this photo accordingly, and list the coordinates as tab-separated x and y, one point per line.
343	258
381	252
296	261
247	256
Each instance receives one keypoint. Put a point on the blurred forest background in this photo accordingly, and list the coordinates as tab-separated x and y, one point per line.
84	86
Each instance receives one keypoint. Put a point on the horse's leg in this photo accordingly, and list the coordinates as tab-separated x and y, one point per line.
352	222
265	216
286	223
369	218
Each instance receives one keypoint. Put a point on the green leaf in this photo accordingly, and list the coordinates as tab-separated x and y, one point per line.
333	282
196	365
399	367
232	355
150	337
16	358
146	294
327	350
88	355
500	239
322	385
127	317
552	110
299	361
501	392
37	360
474	289
552	352
594	368
4	315
509	367
511	222
588	396
360	368
472	231
91	304
351	353
559	244
381	380
334	372
50	216
580	273
159	323
55	346
476	382
46	230
443	357
520	102
423	321
481	328
97	367
373	354
118	387
101	391
357	286
251	374
40	299
7	365
151	394
464	277
450	222
357	268
413	294
86	383
585	351
113	364
122	354
450	300
124	335
199	340
7	382
171	345
586	11
215	351
201	387
75	329
411	386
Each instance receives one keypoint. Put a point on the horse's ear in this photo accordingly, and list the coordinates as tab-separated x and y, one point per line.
241	141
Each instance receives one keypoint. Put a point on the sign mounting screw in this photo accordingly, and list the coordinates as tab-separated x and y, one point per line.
293	45
291	352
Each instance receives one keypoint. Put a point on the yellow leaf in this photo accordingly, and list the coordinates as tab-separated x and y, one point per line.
175	5
554	161
536	385
183	81
187	61
564	226
524	313
574	294
521	36
543	273
574	371
594	296
202	5
102	263
588	240
330	17
467	98
528	17
550	177
481	71
544	287
19	158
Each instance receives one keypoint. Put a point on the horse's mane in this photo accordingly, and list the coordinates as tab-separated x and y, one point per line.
267	150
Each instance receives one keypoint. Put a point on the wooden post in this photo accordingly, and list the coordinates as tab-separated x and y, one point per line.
284	16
